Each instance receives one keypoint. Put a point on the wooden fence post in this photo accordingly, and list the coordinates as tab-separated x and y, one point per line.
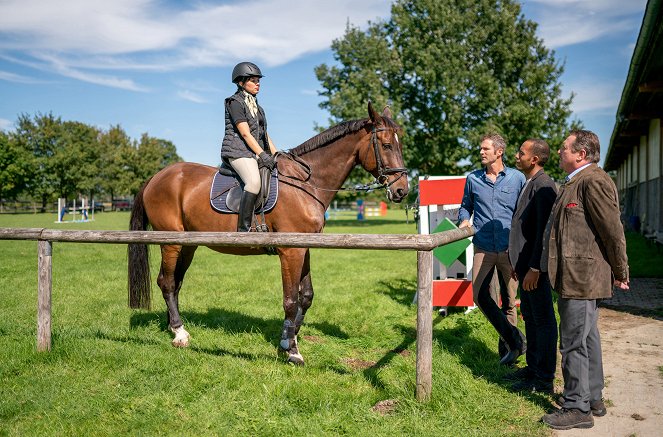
424	325
44	296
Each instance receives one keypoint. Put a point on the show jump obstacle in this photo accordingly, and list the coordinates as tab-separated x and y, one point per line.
439	203
423	244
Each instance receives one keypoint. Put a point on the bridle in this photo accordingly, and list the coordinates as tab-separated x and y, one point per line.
380	180
383	171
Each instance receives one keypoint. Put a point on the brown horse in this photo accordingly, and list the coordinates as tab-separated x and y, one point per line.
177	199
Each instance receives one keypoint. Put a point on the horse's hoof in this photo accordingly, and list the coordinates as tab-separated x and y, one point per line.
295	358
181	337
182	342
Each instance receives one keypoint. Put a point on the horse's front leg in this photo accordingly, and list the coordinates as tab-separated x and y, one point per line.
305	293
292	263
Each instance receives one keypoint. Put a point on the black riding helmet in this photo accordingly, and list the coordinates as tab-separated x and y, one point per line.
245	69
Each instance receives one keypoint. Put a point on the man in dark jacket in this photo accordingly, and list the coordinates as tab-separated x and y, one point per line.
587	257
525	247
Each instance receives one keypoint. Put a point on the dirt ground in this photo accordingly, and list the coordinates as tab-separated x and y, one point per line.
633	368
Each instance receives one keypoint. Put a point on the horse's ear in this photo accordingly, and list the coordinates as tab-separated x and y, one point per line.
375	117
386	112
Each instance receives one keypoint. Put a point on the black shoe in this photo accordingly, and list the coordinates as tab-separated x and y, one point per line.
568	419
522	373
598	407
246	206
535	385
510	358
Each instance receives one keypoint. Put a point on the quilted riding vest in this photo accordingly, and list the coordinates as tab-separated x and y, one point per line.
233	145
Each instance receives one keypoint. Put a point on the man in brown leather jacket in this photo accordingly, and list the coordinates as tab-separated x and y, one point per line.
586	258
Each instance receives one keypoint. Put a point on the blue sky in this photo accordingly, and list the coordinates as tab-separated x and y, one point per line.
163	67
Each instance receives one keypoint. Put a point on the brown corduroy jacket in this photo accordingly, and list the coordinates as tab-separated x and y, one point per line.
585	238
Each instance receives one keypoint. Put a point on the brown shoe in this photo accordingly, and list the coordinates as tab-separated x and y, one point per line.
568	419
598	407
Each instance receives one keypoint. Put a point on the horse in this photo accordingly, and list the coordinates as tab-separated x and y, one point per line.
177	198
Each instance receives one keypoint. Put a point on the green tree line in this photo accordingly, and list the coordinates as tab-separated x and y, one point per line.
452	71
45	158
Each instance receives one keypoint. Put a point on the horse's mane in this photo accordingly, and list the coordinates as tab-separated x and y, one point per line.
335	132
330	135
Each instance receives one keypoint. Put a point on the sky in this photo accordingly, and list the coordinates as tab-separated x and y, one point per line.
163	67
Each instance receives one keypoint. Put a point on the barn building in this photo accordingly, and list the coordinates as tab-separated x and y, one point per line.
635	154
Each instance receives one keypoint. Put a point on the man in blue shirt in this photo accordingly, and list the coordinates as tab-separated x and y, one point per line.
490	196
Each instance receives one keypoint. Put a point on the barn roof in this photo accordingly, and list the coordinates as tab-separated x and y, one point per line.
642	97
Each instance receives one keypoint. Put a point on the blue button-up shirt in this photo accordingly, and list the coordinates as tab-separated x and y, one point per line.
492	204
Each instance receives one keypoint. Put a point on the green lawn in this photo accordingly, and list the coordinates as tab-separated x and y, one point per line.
644	257
112	370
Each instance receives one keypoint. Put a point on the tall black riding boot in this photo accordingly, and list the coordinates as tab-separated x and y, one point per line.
246	206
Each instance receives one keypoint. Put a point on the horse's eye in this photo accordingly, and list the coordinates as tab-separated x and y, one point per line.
387	146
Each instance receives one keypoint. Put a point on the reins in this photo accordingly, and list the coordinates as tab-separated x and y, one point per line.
379	182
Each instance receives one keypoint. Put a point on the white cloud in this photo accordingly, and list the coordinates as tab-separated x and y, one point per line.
567	22
17	78
5	124
594	96
78	36
191	96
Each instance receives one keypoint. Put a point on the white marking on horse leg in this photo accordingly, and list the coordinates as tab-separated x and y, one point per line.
181	337
295	357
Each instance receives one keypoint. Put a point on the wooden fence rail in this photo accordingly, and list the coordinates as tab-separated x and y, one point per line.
423	244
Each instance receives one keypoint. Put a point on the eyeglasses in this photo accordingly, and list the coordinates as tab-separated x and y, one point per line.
255	80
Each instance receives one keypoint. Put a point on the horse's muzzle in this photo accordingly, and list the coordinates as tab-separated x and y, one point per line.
396	195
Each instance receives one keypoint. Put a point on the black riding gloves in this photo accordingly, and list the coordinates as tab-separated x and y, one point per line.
266	160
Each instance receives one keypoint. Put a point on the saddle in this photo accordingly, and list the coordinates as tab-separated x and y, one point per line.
227	187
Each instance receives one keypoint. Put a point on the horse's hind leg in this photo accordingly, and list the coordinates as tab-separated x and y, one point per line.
175	260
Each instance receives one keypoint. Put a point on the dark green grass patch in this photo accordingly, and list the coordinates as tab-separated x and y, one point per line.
112	370
644	257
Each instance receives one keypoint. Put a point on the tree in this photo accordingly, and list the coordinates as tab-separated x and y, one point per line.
452	70
117	152
13	168
38	138
152	154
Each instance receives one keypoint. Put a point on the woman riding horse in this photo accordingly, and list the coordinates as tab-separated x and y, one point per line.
246	142
177	199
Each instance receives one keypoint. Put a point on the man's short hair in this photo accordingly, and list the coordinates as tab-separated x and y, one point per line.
540	149
589	142
497	140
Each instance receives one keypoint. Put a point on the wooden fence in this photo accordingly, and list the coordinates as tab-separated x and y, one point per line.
423	244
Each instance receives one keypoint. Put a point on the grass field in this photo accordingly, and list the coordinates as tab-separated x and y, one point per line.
112	370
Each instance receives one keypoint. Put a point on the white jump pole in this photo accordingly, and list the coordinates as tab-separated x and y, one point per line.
62	203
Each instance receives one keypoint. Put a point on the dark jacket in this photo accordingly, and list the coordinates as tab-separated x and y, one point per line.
585	237
529	223
233	145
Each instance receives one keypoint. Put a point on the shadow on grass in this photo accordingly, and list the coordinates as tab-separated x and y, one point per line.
372	373
403	292
479	359
232	322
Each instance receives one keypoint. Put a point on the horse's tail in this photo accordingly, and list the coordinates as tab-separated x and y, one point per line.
138	254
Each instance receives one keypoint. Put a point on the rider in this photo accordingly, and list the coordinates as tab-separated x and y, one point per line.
246	145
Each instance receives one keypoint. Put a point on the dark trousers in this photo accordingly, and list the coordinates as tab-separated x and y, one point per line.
503	319
580	345
538	313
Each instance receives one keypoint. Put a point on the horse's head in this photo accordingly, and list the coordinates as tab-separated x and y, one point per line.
383	156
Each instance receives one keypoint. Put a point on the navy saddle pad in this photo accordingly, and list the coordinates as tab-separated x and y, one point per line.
226	193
